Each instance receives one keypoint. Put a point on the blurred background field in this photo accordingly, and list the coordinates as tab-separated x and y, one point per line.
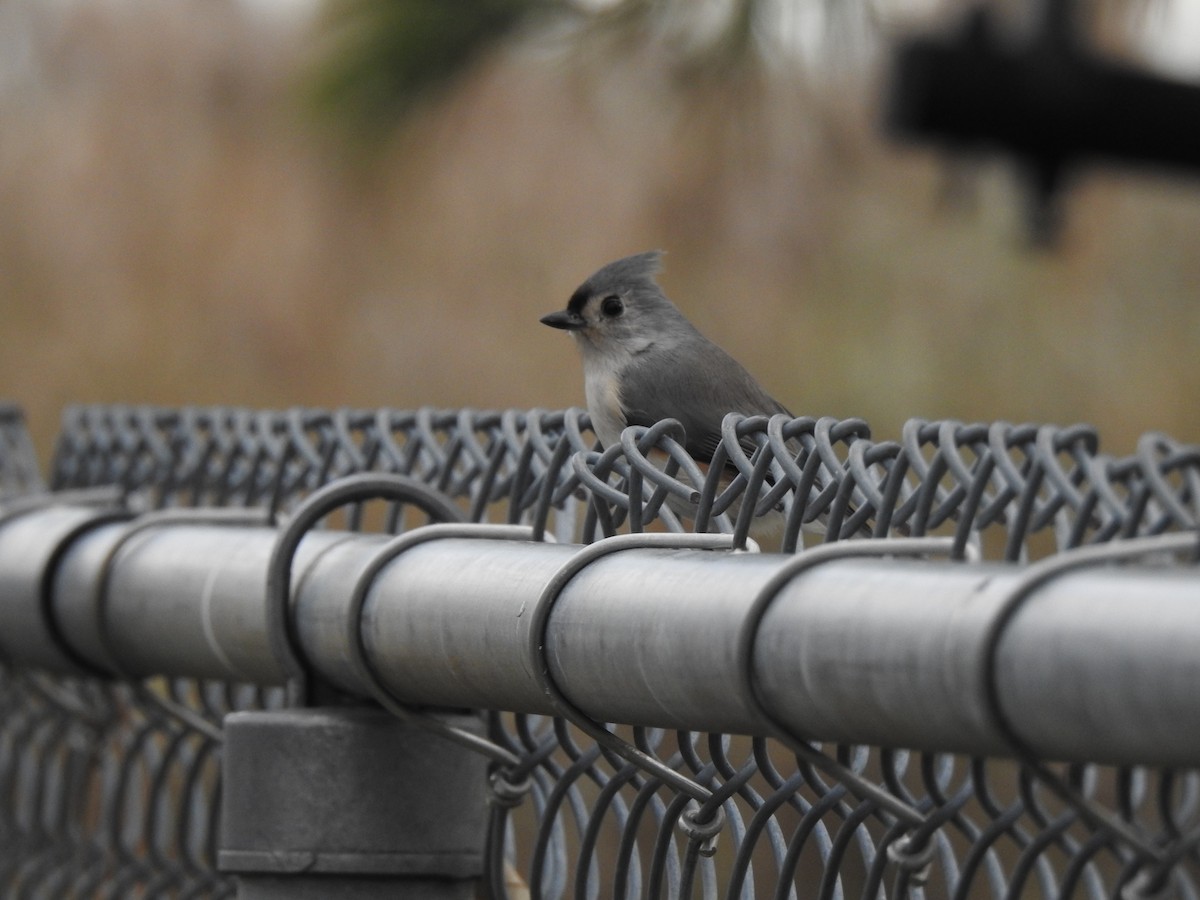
181	222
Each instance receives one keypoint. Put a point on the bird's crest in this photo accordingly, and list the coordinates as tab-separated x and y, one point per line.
619	274
639	267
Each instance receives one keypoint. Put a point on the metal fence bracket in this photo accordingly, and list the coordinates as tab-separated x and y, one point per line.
349	802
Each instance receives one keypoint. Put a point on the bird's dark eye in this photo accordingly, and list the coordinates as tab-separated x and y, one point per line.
612	306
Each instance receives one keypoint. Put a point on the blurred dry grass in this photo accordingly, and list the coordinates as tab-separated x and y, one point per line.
174	230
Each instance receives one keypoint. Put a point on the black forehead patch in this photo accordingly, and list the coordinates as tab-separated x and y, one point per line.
578	299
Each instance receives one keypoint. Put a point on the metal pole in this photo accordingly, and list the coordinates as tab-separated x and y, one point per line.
1100	666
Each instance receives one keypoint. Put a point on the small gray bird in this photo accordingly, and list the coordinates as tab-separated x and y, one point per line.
644	362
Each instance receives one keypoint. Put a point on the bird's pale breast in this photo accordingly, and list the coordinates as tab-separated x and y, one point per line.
604	404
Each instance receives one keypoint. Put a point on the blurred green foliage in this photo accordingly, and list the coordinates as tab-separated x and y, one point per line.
382	56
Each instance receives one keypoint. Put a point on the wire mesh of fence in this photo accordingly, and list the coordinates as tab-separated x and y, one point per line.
1027	489
19	472
110	788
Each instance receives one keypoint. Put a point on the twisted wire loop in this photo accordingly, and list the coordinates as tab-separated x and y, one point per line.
107	794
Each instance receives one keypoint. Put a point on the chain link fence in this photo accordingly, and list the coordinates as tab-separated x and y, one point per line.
19	472
109	788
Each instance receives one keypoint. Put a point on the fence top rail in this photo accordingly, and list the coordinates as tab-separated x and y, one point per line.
1088	661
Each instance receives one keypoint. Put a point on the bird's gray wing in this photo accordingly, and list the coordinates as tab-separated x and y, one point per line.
698	389
699	393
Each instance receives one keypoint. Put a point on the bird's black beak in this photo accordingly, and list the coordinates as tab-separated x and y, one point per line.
564	319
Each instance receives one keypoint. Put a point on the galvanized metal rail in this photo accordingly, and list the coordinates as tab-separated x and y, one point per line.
1100	665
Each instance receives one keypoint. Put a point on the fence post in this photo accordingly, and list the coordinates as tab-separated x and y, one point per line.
350	802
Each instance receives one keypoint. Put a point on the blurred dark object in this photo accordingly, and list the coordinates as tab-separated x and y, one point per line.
1048	100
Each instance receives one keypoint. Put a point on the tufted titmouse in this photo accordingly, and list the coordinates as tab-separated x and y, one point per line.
644	362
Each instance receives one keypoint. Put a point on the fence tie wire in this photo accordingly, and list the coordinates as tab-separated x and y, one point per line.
908	852
508	788
354	489
699	823
1156	859
348	490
